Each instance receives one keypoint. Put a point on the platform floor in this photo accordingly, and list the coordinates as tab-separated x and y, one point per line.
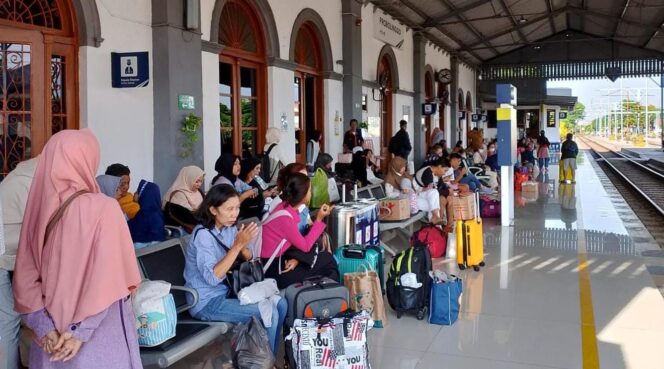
571	286
566	287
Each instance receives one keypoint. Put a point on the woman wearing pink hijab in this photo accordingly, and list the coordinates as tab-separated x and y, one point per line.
75	271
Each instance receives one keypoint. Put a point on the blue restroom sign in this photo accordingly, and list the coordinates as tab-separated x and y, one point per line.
130	69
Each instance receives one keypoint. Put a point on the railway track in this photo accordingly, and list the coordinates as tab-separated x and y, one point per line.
641	186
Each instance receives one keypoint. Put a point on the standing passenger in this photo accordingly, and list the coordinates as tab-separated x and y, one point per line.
76	266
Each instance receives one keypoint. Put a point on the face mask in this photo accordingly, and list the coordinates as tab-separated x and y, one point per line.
481	151
492	149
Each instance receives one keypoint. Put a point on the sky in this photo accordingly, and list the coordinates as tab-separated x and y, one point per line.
596	101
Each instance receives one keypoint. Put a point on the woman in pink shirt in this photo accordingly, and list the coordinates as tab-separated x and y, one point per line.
280	232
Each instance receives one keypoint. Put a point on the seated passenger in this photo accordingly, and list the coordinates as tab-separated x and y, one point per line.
324	162
463	176
282	179
492	158
426	186
283	227
372	168
184	198
394	177
109	186
147	227
228	171
213	249
127	202
250	174
528	153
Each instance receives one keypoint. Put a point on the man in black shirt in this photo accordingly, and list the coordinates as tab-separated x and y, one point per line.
568	153
400	143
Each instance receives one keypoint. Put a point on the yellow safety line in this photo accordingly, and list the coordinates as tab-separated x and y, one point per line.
588	333
589	349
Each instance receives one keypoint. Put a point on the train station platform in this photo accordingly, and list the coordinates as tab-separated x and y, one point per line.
571	285
654	156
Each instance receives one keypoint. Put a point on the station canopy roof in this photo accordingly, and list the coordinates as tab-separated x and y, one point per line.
511	33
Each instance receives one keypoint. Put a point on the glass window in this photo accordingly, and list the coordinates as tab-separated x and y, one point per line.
248	81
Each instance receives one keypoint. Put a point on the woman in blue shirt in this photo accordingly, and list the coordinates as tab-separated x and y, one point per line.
207	262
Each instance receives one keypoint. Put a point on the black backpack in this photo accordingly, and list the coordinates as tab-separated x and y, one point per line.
415	259
266	174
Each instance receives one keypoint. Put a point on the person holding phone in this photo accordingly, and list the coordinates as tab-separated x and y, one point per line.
282	224
228	172
207	262
250	174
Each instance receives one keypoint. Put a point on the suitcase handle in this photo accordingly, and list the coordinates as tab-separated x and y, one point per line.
354	253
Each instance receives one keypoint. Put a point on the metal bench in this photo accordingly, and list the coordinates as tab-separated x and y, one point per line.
165	261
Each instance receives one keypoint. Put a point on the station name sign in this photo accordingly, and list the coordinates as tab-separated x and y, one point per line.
388	30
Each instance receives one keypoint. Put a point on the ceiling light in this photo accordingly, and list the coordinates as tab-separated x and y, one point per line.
522	19
537	47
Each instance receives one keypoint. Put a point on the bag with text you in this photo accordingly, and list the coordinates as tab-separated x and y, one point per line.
337	343
156	316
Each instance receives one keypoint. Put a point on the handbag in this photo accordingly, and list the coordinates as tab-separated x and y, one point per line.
242	273
366	294
445	302
155	313
333	190
182	216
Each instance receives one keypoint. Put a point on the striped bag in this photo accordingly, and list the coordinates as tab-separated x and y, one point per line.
156	316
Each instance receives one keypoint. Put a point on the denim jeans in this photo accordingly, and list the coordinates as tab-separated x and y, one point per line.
10	323
543	163
472	182
222	309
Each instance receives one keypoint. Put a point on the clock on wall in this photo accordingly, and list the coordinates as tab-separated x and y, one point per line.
444	76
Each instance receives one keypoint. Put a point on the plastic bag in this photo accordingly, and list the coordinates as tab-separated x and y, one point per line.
251	346
319	189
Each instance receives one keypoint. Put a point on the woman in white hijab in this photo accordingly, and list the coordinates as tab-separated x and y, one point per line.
273	150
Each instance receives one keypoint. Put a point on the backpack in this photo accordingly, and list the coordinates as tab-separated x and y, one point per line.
417	260
266	168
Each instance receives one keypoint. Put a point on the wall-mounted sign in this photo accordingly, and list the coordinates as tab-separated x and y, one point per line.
186	102
562	115
461	115
388	30
551	119
130	69
476	117
429	109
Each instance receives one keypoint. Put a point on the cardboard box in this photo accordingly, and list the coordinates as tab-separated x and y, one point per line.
463	207
530	186
394	209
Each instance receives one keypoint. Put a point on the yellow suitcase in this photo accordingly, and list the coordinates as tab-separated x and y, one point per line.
566	176
470	242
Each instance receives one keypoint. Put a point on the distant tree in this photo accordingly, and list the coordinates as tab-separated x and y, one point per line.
574	116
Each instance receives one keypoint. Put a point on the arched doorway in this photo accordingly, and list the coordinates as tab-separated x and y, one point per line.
308	88
444	98
428	97
461	119
38	76
385	80
469	111
242	79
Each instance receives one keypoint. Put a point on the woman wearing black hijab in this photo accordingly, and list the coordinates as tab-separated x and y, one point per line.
250	174
228	172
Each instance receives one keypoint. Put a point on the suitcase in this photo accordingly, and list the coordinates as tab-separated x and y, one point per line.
402	299
315	298
470	242
351	259
565	176
354	222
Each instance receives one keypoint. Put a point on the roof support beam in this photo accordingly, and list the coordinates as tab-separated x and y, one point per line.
518	27
647	27
514	23
549	6
422	14
653	35
622	15
469	27
433	22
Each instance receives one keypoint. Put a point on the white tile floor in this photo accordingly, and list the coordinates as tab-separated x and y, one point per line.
522	310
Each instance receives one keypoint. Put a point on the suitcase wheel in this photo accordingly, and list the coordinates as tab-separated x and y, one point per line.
462	267
476	268
482	264
422	313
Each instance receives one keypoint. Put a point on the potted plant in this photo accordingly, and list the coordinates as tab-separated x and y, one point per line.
189	129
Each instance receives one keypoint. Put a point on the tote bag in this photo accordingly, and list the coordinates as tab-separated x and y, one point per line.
155	313
445	302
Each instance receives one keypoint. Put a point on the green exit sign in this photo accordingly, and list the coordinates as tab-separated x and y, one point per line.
186	102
